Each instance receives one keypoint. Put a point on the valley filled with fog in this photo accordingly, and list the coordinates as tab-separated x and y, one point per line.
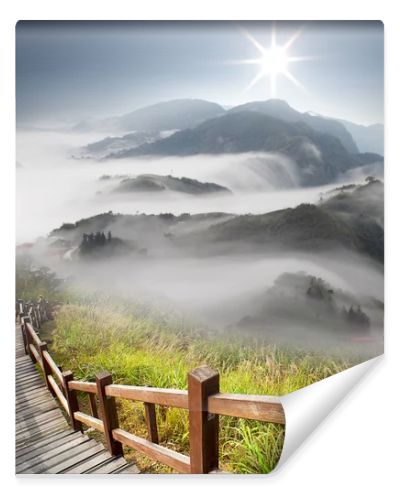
211	267
65	189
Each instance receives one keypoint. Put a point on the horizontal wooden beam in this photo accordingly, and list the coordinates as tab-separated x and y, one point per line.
164	397
35	353
32	333
176	460
90	421
59	394
54	368
263	408
76	385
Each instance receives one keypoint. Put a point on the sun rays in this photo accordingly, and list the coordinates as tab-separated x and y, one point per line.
274	61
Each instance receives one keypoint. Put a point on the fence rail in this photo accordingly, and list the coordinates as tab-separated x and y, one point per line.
203	400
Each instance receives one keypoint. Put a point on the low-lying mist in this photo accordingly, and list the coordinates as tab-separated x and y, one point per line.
53	188
221	291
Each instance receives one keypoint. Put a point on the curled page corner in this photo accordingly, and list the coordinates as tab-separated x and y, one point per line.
306	408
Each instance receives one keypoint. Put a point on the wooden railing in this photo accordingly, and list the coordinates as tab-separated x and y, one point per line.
203	401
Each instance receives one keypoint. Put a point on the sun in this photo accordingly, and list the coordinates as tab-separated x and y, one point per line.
274	61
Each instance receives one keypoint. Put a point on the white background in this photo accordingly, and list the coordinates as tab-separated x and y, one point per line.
355	452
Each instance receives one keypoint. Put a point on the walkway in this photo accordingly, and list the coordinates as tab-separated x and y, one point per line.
45	444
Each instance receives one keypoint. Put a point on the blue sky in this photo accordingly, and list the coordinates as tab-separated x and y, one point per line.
68	71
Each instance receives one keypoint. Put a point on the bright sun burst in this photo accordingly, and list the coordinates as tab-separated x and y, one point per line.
273	61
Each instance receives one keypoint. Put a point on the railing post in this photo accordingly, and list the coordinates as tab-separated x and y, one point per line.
72	400
28	338
203	426
46	368
23	332
108	412
151	422
20	310
37	316
93	405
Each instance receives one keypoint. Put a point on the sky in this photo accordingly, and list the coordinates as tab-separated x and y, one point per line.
71	71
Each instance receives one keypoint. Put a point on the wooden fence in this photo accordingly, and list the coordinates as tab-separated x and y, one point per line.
203	401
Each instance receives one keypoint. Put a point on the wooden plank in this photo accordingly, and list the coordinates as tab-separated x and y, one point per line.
37	445
30	406
89	421
36	355
172	458
59	462
165	397
203	426
263	408
30	400
38	409
93	405
46	367
28	385
92	448
30	437
33	422
44	448
129	469
76	385
29	340
59	394
54	368
72	400
151	422
97	461
109	467
25	377
32	334
108	412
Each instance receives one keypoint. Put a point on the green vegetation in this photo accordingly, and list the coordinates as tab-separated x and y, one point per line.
34	281
156	183
140	345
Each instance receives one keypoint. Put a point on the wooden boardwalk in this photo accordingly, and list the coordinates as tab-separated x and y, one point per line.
45	443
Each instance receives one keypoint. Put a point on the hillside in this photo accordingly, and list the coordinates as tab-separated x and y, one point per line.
337	222
115	144
155	183
369	138
316	308
306	227
320	157
280	109
364	200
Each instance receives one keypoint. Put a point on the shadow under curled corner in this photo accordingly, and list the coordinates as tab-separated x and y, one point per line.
307	408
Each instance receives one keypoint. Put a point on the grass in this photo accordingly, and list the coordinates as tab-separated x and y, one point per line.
149	345
142	346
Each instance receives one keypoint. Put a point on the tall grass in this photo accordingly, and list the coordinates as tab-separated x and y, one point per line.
143	346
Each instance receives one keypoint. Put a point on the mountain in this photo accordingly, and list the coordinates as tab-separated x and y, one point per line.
335	223
169	115
281	109
157	183
368	138
306	227
364	200
109	145
314	306
320	157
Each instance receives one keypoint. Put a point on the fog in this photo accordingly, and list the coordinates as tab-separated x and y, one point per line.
58	189
218	291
